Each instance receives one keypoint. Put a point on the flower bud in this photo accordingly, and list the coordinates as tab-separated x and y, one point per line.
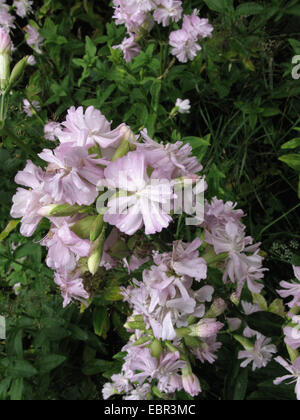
127	134
277	307
96	253
259	300
5	49
31	61
217	308
60	210
5	42
122	150
235	299
96	228
294	354
206	328
17	72
156	349
190	382
247	344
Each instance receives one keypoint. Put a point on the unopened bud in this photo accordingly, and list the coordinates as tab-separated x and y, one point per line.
5	49
31	61
122	150
60	210
18	72
206	328
96	253
217	308
277	307
5	42
247	344
190	382
156	349
127	134
96	227
235	299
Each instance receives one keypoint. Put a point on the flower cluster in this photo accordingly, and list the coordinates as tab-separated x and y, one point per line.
176	315
292	332
139	17
225	232
168	315
185	42
129	179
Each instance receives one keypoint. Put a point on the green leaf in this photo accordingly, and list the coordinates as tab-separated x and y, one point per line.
295	11
90	47
292	160
21	369
100	321
292	144
219	5
248	9
240	389
266	323
296	260
4	387
50	362
29	249
197	142
16	390
96	366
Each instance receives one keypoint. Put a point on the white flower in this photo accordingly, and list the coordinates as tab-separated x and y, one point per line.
184	106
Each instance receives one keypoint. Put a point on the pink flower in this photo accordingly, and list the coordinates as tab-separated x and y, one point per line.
89	127
141	198
165	370
206	328
64	247
297	272
294	370
52	130
31	60
293	290
170	160
130	48
133	14
6	19
183	106
70	170
219	213
206	352
27	203
260	355
292	336
30	108
185	41
34	39
5	42
185	48
167	10
23	7
186	260
71	287
191	383
197	27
